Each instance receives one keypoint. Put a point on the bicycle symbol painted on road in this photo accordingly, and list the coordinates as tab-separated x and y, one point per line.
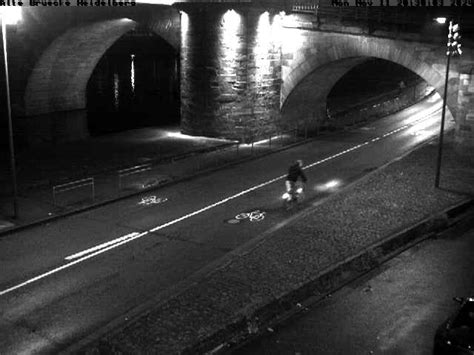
254	216
152	200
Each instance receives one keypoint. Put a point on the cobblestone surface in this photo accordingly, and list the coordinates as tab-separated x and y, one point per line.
381	204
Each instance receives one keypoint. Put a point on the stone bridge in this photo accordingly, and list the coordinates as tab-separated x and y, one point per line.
246	69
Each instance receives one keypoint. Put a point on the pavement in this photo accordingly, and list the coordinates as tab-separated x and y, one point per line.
394	309
325	245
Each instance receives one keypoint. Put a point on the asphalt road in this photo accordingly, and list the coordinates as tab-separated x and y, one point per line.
395	309
63	281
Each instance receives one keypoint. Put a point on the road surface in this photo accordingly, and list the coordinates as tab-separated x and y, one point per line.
62	281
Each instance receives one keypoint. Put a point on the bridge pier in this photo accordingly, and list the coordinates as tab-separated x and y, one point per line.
230	71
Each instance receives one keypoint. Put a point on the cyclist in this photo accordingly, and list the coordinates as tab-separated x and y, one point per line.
294	172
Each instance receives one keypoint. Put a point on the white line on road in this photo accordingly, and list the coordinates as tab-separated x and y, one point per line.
65	266
102	248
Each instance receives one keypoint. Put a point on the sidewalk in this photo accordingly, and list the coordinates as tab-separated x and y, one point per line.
323	247
56	181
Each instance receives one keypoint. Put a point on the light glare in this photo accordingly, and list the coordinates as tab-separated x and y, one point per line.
132	72
184	21
231	20
441	20
328	186
10	14
332	183
231	23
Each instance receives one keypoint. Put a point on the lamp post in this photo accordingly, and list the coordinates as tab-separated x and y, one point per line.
453	48
10	15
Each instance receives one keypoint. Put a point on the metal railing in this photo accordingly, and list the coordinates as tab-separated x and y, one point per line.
396	15
127	181
74	185
134	170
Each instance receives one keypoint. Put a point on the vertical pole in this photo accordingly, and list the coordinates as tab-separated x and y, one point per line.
10	125
441	130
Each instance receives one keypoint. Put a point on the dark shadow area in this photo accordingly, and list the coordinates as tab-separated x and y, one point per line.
134	85
373	82
3	108
372	78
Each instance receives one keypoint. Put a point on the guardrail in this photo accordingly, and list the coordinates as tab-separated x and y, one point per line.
137	169
111	184
74	185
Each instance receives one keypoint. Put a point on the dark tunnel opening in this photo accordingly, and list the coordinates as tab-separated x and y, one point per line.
134	85
377	87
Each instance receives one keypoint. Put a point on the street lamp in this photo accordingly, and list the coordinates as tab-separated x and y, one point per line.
453	48
10	15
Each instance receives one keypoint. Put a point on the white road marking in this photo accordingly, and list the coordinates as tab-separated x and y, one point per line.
68	265
102	248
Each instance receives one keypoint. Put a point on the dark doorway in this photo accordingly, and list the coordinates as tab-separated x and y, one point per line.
134	85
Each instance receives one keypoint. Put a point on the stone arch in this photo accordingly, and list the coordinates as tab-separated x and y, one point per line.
327	57
59	78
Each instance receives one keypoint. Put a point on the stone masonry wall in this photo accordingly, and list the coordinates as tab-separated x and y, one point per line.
231	72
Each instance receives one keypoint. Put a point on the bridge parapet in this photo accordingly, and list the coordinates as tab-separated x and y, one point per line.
394	22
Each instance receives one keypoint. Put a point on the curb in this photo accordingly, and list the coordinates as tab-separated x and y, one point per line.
46	220
248	328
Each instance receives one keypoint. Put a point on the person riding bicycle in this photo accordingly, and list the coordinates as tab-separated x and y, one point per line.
294	172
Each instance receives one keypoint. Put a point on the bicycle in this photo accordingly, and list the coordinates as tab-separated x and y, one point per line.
291	198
